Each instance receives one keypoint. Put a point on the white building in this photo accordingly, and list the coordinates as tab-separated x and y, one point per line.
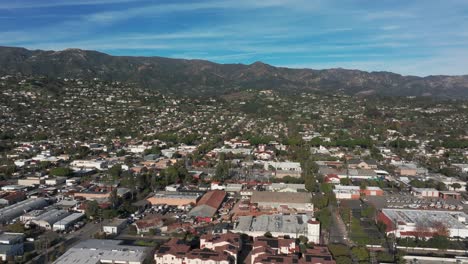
68	222
462	167
49	218
279	225
137	148
283	166
286	187
343	192
425	192
114	227
97	251
55	181
89	164
426	223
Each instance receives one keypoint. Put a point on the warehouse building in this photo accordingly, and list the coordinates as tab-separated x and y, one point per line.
67	222
11	244
285	200
425	192
49	218
114	226
11	212
278	225
174	198
424	223
97	251
286	187
208	205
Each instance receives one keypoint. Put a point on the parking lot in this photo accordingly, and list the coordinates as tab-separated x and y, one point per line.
404	200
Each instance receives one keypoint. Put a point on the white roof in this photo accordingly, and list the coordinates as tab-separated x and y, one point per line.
94	251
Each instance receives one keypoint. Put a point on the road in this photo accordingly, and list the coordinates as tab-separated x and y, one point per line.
70	240
338	232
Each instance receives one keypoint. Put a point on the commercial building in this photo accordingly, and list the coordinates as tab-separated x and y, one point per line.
462	167
208	205
11	244
294	226
9	198
49	218
372	191
55	181
344	192
425	192
358	174
11	212
450	195
114	226
67	222
174	198
31	181
283	166
91	195
97	251
234	187
283	200
89	164
282	169
286	187
409	169
424	223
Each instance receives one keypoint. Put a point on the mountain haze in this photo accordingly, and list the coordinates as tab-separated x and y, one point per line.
204	77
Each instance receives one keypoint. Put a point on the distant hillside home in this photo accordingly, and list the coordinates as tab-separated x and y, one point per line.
360	164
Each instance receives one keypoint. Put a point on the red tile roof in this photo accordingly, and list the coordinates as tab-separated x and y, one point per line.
212	198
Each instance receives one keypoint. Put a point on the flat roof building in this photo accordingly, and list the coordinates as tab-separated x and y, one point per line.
174	198
97	251
286	187
424	223
279	225
114	226
275	200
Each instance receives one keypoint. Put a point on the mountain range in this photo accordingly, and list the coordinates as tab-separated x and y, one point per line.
200	77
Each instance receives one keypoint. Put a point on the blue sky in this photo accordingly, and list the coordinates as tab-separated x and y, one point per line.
419	37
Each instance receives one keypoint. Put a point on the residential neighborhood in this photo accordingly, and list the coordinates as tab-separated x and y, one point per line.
118	174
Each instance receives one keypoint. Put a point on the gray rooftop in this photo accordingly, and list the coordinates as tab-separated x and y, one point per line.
94	251
274	223
426	217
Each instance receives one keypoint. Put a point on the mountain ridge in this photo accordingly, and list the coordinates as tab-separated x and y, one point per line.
202	77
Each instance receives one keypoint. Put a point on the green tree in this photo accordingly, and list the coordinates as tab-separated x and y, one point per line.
61	171
92	209
113	198
456	186
361	253
115	171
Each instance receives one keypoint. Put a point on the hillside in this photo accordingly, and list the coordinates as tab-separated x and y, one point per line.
203	77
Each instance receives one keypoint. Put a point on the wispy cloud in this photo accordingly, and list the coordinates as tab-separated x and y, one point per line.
318	33
52	3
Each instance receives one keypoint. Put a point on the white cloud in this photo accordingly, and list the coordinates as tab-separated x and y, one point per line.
51	3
